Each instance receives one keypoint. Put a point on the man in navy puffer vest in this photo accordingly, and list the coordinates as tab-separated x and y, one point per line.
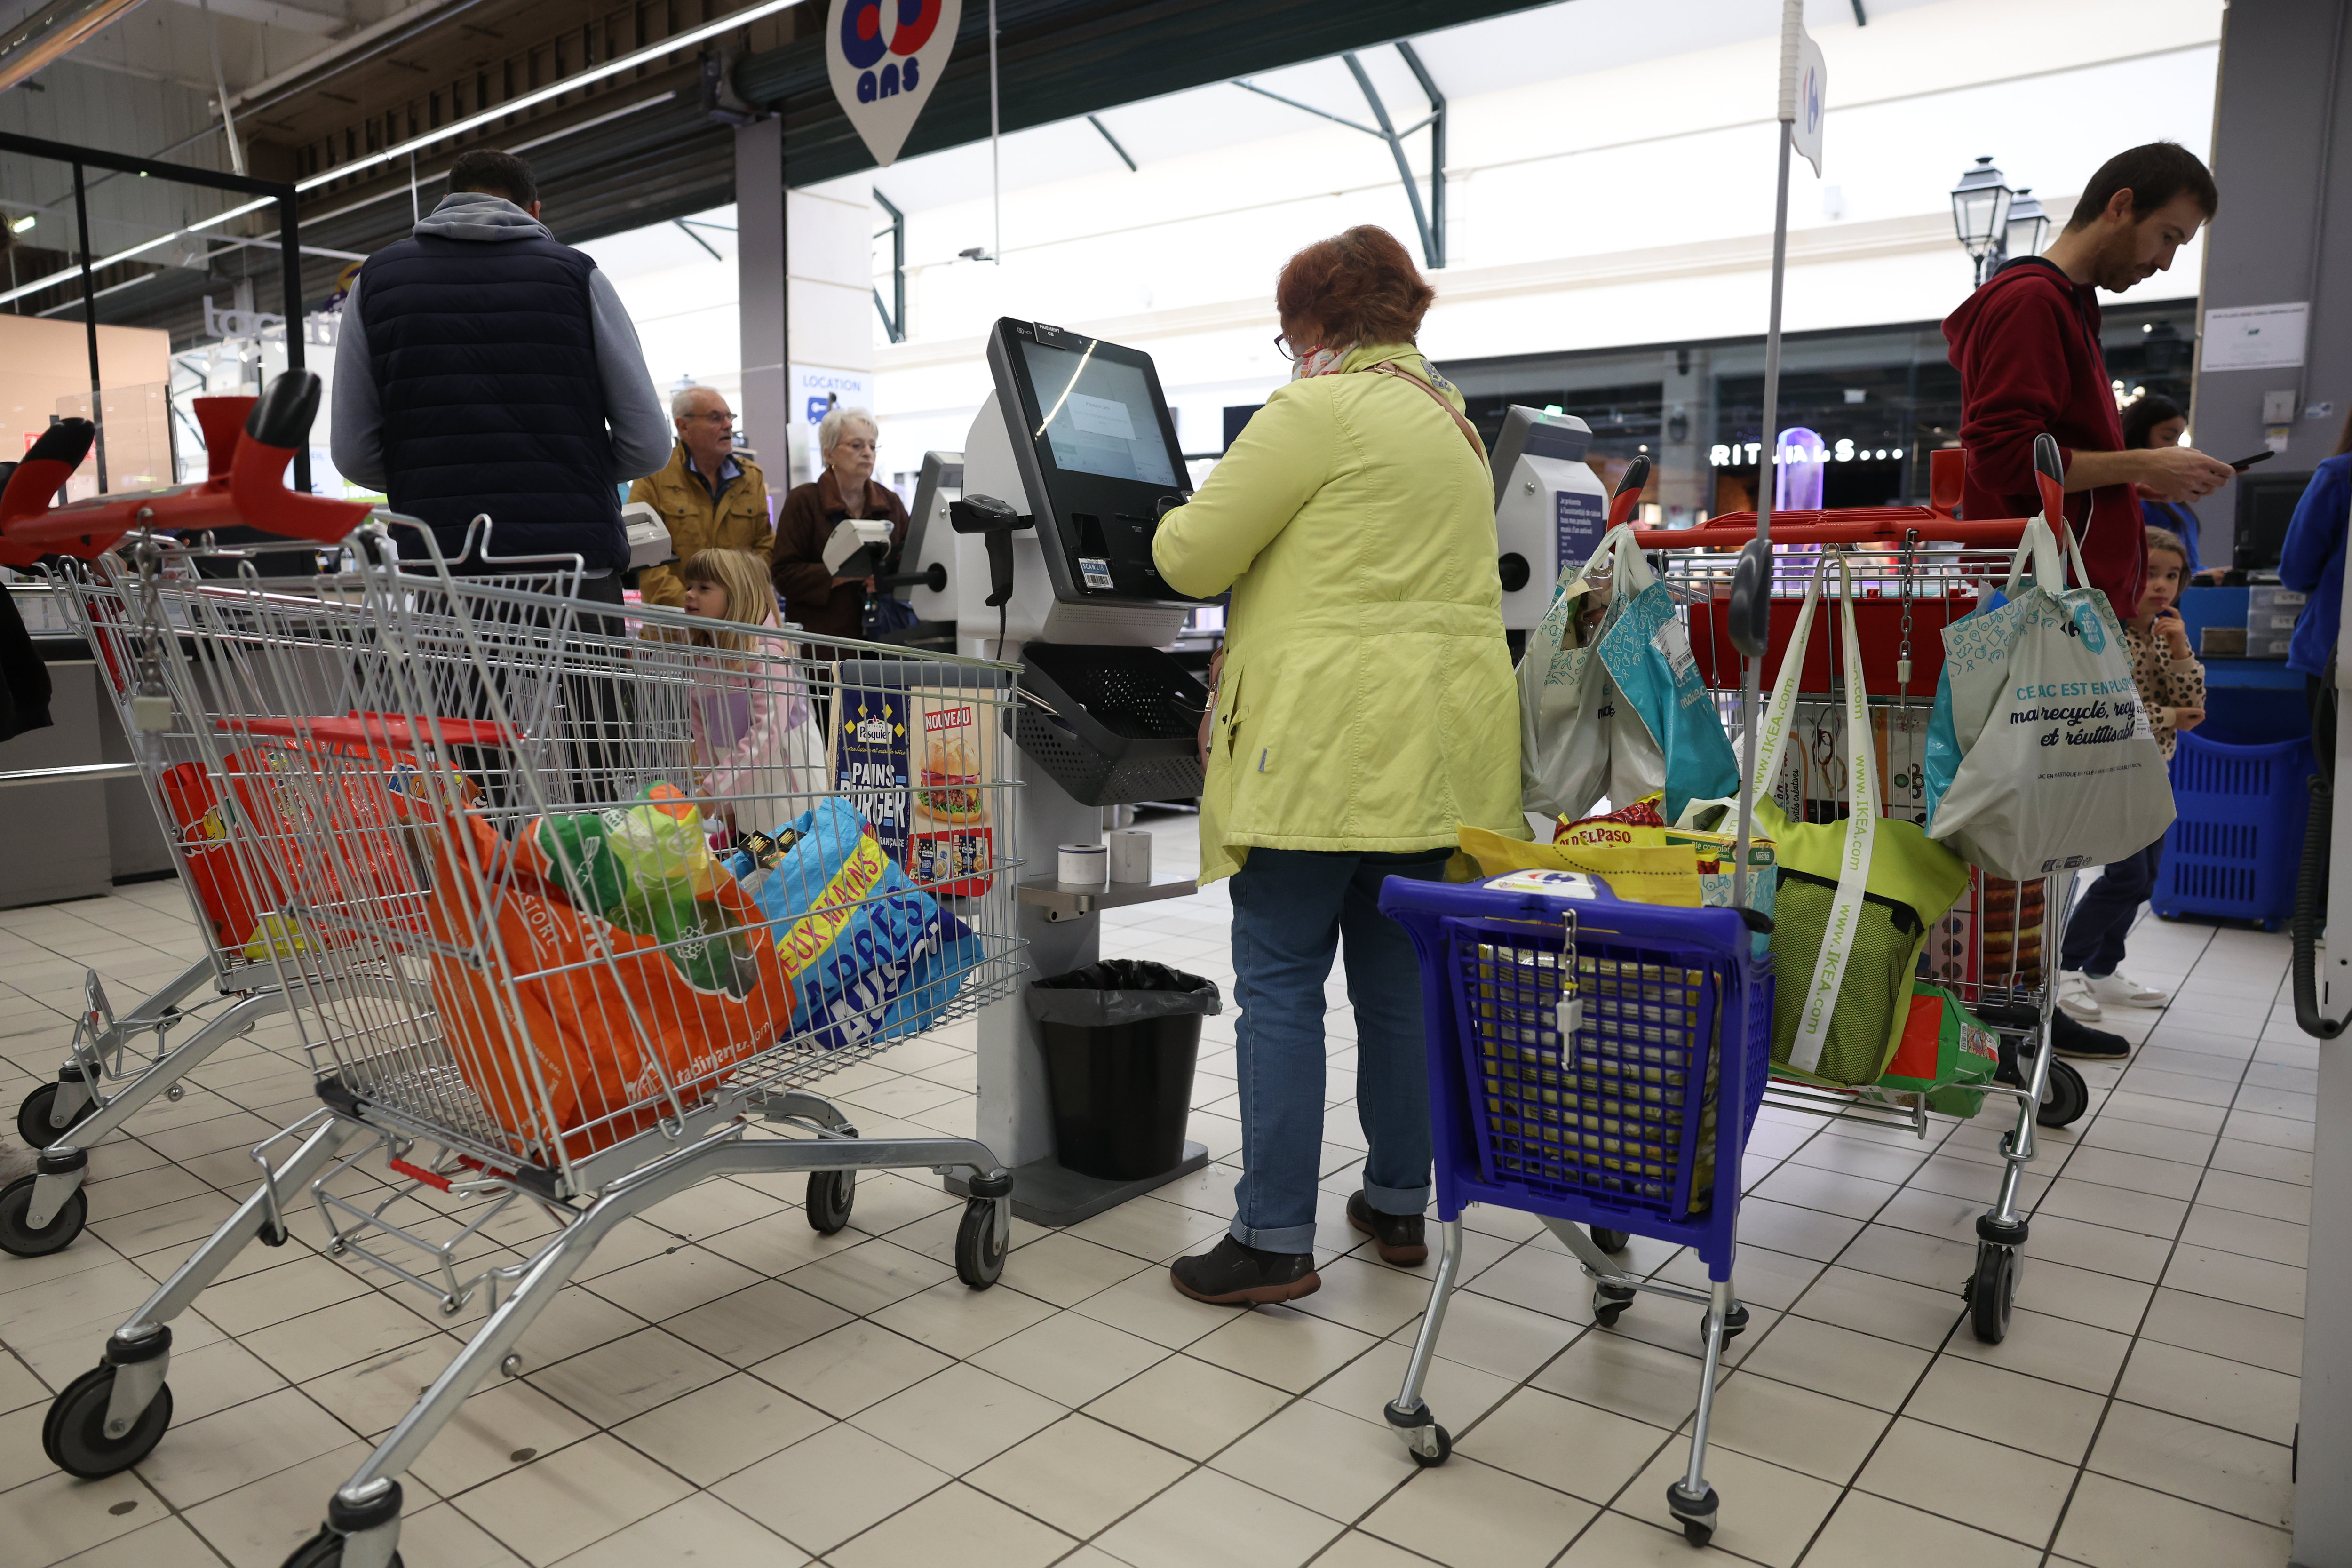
481	367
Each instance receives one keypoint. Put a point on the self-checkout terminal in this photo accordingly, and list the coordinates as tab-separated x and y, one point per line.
1550	509
1042	555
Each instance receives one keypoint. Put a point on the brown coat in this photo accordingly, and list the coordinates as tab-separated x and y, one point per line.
807	519
738	521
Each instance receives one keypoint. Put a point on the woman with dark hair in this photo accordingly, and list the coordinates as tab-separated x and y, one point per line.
2312	561
2154	420
1364	711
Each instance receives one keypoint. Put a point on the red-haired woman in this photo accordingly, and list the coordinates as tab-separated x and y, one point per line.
1365	712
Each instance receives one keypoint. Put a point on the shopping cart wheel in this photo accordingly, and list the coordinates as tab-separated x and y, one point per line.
1609	1303
32	1118
980	1245
1440	1449
17	1237
1698	1518
324	1550
830	1194
1608	1240
74	1435
1991	1291
1733	1321
2064	1097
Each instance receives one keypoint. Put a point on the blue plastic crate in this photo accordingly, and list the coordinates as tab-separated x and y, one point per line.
1618	1126
2237	836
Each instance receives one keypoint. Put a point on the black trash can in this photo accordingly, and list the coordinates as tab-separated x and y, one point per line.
1121	1038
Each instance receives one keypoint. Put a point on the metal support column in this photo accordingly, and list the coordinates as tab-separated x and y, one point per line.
89	320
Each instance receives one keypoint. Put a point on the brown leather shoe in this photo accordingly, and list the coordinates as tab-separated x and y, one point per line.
1233	1274
1398	1235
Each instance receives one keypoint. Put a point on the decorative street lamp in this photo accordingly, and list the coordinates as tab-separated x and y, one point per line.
1980	205
2028	228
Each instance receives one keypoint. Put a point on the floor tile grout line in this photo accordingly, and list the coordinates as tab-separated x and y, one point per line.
2131	1348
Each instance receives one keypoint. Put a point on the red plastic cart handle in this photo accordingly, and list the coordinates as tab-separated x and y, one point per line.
390	731
279	422
1889	526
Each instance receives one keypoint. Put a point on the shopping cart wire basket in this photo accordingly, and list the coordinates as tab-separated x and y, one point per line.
1597	1064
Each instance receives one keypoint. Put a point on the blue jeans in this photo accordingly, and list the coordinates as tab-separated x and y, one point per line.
1291	909
2102	916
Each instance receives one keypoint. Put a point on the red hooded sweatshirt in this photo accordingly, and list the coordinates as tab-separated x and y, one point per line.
2027	348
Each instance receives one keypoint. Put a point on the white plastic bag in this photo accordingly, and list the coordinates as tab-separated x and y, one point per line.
2057	767
1580	740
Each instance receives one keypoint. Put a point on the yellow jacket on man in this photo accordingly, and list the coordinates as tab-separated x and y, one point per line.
737	520
1367	701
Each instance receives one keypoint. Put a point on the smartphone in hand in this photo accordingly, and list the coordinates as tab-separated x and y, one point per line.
2264	456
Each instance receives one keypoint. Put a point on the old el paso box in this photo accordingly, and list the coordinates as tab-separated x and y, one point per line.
916	759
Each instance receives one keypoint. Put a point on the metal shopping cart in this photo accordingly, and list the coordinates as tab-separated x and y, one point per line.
1594	1063
531	997
1915	570
118	1063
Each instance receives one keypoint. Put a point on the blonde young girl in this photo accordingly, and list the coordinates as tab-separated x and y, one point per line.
755	738
2172	691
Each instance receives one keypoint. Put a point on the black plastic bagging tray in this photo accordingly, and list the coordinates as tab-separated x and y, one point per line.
1111	725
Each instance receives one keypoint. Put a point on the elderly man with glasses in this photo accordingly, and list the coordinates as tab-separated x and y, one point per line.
710	495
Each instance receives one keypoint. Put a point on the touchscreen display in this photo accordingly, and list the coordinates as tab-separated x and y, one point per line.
1098	415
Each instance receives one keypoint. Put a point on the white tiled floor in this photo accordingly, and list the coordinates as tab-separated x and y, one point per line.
726	1388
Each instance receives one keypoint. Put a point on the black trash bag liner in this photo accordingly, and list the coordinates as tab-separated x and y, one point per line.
1121	990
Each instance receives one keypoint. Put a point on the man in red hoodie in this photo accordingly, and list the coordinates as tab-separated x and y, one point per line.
2027	347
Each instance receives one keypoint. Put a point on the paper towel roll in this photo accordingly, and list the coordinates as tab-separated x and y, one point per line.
1131	854
1083	864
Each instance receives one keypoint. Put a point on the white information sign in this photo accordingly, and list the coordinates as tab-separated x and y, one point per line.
2256	337
885	57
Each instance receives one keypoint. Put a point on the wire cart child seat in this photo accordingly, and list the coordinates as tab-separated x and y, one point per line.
526	985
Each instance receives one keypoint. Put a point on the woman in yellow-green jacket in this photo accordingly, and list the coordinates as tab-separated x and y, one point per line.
1366	710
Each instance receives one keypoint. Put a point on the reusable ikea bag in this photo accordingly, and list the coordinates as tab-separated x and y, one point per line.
1856	898
607	1019
2040	757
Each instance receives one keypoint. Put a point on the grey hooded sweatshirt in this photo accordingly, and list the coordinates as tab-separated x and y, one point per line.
642	432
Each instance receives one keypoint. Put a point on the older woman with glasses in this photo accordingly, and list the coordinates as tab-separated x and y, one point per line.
1365	711
825	605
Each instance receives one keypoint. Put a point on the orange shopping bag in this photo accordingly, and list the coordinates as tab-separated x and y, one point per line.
569	1024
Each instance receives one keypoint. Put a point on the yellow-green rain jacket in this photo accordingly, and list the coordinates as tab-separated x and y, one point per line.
1367	701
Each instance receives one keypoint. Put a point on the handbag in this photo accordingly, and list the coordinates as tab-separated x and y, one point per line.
2040	756
1856	898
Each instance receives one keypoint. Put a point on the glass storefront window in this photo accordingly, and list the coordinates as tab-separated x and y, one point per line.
1881	398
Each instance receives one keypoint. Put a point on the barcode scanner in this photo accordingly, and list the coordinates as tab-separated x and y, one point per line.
995	522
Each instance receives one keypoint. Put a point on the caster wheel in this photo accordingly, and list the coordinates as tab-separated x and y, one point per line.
1609	1303
1993	1290
1697	1519
324	1550
830	1194
1442	1451
19	1239
74	1435
1611	1241
33	1117
980	1245
1734	1322
2064	1097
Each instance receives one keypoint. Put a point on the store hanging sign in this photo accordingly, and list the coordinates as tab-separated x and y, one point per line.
1804	85
885	57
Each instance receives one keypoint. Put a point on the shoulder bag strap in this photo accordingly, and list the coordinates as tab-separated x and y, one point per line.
1469	434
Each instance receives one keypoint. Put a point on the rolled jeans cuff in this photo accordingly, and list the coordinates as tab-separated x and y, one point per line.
1397	1200
1285	1238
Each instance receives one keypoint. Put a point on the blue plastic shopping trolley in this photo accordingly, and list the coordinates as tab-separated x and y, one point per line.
1581	1053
